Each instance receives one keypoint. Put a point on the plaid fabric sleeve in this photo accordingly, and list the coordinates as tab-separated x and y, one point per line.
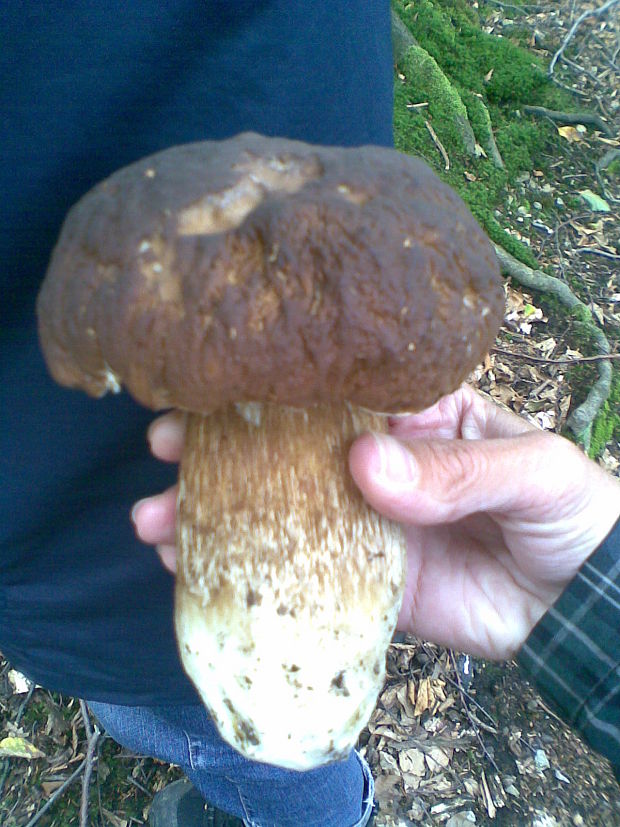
573	653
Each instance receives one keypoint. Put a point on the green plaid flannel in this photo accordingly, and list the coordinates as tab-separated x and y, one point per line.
573	653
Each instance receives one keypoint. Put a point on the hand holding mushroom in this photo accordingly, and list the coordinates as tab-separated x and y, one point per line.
280	294
498	516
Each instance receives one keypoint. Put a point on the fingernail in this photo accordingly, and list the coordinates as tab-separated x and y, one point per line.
135	509
396	463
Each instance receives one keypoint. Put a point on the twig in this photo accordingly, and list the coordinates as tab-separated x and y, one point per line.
56	794
582	69
468	712
139	786
24	703
92	737
573	91
458	685
581	419
588	13
577	360
521	9
592	251
571	117
7	765
438	144
610	58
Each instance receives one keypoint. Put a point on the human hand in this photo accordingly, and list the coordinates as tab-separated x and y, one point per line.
154	518
501	516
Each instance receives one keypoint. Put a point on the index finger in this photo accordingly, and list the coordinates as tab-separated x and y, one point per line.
166	436
464	414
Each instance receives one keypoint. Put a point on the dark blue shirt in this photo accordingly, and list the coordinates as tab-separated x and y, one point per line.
86	88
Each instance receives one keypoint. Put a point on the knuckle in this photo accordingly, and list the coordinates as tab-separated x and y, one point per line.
458	467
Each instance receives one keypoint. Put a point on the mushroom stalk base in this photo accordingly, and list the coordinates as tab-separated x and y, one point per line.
288	584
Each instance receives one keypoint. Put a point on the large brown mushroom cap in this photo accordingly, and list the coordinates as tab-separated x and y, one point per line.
261	269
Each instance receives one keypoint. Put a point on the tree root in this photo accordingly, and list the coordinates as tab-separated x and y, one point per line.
409	54
405	46
402	39
571	117
489	138
582	418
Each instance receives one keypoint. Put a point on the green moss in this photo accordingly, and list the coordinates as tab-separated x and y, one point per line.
426	83
497	68
583	317
520	143
613	168
606	426
460	71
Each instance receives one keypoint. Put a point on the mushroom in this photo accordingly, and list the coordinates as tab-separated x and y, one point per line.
286	296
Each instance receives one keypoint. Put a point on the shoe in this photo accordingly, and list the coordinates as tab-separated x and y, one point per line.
181	805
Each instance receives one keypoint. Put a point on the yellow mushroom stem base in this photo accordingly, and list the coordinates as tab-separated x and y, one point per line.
288	584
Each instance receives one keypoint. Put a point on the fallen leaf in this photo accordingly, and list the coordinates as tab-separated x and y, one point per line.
424	699
19	683
50	787
594	201
15	747
438	758
113	819
388	762
570	133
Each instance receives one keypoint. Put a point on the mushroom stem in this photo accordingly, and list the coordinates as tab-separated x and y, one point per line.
288	584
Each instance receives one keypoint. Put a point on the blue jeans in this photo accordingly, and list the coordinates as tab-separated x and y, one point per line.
336	795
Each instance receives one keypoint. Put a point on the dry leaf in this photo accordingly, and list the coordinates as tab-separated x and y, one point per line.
411	781
438	758
425	697
20	684
487	797
412	761
114	820
17	747
50	787
570	133
388	762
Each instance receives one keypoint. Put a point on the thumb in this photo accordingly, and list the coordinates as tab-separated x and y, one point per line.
428	482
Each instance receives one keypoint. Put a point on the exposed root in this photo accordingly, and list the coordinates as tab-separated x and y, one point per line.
590	118
581	419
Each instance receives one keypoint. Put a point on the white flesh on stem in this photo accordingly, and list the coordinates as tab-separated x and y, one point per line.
288	584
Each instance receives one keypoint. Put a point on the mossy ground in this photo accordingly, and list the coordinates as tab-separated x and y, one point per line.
457	67
606	426
492	78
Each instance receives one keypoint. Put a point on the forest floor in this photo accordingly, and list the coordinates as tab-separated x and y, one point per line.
452	741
